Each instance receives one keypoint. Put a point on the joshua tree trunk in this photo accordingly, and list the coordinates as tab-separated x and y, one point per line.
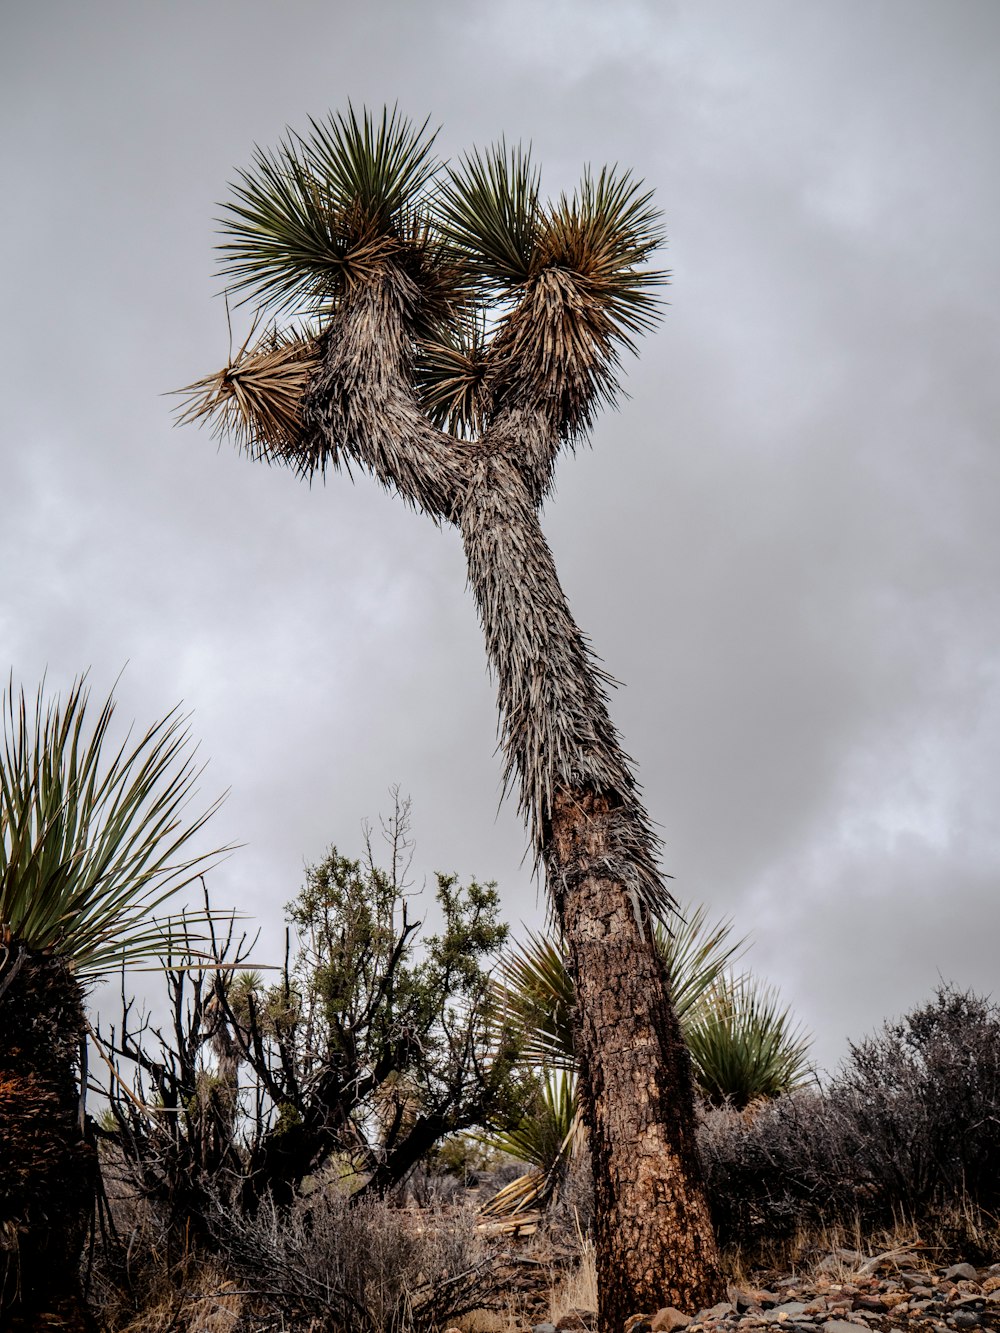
593	837
637	1087
590	831
47	1169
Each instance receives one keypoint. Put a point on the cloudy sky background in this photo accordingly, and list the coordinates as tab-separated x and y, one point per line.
785	543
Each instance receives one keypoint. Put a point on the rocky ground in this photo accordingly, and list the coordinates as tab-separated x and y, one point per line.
844	1293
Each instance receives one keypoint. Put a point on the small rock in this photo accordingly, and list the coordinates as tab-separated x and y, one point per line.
957	1271
716	1312
637	1323
576	1319
963	1287
991	1284
839	1326
668	1319
787	1308
894	1299
873	1304
544	1328
965	1319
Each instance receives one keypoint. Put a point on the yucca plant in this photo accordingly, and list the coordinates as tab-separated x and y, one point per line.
546	1138
467	330
94	838
534	985
744	1044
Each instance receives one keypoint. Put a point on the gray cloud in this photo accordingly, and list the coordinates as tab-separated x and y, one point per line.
785	542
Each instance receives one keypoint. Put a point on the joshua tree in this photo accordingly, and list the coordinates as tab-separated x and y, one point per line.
451	333
91	842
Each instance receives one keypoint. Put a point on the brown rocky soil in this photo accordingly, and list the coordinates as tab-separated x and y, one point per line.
842	1293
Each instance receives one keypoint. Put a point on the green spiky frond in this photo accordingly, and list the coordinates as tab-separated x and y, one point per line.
575	272
695	954
256	400
545	1138
487	209
325	209
587	295
604	234
534	988
93	837
744	1044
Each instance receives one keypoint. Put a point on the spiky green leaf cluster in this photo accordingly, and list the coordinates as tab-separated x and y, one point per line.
93	835
324	209
562	285
488	211
744	1044
545	1138
535	986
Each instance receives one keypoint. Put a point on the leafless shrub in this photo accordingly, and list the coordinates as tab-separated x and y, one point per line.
369	1268
909	1129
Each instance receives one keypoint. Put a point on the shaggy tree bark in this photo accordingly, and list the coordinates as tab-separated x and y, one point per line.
47	1169
591	834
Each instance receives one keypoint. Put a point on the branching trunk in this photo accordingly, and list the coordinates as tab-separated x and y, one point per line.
577	791
47	1169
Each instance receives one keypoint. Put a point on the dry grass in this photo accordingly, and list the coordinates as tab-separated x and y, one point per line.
209	1304
850	1251
578	1289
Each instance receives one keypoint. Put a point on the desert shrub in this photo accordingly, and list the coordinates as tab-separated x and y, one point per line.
909	1127
924	1098
374	1044
367	1268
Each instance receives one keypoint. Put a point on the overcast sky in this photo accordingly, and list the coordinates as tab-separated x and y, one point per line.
785	544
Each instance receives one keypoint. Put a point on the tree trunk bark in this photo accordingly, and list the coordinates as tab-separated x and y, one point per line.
654	1238
47	1169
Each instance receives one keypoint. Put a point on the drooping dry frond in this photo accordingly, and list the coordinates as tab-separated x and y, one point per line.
256	401
324	210
555	351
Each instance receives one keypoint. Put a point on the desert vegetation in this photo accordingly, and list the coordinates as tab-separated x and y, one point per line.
382	1132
